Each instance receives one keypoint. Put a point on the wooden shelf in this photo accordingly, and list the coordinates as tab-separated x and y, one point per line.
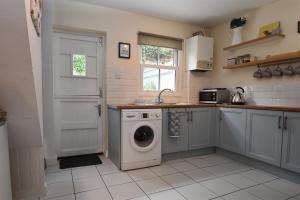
254	41
268	60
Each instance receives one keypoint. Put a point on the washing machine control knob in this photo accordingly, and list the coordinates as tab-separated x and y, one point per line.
157	115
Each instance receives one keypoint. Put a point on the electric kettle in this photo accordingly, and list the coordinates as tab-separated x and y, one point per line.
238	96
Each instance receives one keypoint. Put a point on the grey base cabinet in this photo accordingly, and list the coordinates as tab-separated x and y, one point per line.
197	130
172	145
201	127
291	142
232	129
264	135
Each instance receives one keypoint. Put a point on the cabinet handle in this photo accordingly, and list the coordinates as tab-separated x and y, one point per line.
285	123
191	116
188	116
220	116
279	122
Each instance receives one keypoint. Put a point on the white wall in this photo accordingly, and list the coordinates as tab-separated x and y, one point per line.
285	11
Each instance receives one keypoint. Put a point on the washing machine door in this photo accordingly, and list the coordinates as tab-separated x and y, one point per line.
143	136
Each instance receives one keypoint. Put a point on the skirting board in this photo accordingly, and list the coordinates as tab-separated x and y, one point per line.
188	154
277	171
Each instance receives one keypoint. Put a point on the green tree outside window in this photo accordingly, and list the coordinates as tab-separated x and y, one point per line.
79	65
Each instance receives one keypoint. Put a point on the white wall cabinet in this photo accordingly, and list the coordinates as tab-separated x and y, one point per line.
232	129
199	53
264	135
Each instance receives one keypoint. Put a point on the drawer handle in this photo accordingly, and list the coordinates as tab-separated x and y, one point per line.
285	123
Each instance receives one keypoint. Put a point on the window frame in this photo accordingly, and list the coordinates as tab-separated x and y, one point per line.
177	69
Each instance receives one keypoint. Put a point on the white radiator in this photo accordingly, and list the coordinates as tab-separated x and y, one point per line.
5	182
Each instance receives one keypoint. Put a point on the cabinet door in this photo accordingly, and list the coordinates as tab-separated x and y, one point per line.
264	135
169	144
200	126
291	142
232	129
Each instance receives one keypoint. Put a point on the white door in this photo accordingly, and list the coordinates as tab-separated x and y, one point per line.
78	81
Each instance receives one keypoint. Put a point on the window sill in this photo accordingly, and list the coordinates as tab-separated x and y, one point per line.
155	94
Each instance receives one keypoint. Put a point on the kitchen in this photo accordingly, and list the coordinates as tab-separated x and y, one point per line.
191	105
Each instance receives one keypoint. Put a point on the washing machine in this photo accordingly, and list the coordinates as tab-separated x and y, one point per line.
141	135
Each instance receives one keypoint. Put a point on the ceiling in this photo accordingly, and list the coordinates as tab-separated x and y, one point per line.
202	12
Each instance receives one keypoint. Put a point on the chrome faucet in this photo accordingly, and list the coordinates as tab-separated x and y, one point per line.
158	99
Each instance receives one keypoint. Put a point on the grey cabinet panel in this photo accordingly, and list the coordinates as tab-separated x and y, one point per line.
264	135
291	142
171	145
201	132
232	129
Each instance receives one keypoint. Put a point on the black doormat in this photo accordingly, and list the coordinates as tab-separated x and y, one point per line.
79	161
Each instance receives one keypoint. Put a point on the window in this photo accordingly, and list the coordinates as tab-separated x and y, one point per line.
159	67
79	65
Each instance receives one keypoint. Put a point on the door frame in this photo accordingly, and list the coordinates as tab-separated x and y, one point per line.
102	66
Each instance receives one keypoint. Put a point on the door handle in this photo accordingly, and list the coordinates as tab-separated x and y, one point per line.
99	108
279	122
285	123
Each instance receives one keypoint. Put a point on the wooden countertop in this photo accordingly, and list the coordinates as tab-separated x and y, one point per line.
187	105
2	115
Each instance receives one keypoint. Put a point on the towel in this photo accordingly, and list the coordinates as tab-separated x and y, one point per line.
173	124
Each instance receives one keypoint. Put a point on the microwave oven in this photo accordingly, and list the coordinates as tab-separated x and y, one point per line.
214	95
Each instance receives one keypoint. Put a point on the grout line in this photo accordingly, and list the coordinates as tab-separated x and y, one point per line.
73	183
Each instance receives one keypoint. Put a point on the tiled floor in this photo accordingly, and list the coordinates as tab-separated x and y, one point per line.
198	178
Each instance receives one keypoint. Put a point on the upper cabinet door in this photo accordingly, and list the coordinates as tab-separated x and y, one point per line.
171	144
291	142
200	127
232	129
264	135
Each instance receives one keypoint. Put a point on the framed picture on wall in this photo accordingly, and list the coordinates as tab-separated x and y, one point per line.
298	26
124	50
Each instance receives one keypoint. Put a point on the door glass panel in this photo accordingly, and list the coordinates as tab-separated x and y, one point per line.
143	136
79	65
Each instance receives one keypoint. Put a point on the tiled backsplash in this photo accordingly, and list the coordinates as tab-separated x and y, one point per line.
275	95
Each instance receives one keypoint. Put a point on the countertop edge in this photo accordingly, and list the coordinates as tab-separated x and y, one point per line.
247	106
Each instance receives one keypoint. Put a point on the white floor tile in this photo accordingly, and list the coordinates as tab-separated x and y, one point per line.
219	186
183	166
240	195
58	177
153	185
54	169
102	194
141	198
163	170
116	178
67	197
266	193
239	181
259	176
177	180
191	159
126	191
141	174
165	195
236	166
170	162
196	192
217	159
82	185
60	189
218	170
201	163
199	175
107	169
85	172
284	186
